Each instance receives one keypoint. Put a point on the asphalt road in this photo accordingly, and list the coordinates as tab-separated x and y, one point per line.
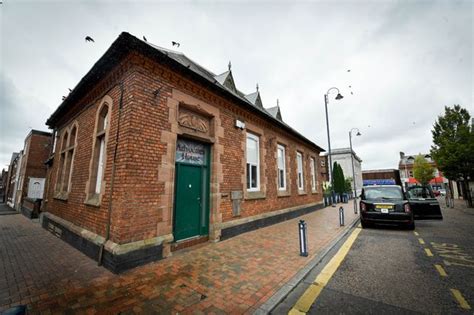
389	270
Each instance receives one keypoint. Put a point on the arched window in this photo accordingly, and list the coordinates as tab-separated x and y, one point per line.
68	146
62	163
99	153
70	154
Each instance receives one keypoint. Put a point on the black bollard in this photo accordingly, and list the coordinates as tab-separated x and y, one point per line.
302	234
341	216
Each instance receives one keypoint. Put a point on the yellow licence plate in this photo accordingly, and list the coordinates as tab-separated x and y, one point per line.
384	206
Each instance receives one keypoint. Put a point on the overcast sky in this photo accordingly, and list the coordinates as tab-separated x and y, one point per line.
407	60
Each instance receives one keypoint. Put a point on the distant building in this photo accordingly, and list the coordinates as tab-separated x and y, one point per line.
324	168
381	177
28	172
3	185
343	157
405	166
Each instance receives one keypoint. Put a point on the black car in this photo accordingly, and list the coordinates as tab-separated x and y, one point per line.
423	203
385	205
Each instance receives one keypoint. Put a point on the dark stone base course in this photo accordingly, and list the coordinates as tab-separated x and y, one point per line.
121	263
28	213
115	263
257	224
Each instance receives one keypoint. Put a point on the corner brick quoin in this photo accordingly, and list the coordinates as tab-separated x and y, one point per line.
151	104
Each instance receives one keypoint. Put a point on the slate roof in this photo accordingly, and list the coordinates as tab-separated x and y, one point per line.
410	158
178	62
275	112
222	77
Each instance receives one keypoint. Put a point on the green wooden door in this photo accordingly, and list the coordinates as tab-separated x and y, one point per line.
188	201
191	206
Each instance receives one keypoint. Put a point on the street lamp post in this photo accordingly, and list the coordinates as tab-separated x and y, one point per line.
338	97
352	163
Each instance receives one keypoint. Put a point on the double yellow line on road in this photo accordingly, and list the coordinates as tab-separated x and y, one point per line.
455	292
304	303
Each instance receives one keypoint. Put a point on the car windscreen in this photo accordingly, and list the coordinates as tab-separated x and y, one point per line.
419	192
385	193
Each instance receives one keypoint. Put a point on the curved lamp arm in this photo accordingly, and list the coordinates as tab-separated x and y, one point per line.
353	129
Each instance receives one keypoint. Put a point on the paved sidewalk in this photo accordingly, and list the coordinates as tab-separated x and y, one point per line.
233	276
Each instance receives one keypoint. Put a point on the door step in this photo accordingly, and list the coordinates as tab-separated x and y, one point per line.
189	242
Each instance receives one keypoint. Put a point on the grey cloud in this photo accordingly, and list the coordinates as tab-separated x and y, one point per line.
408	60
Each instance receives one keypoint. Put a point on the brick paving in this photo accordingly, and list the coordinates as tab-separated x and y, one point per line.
233	276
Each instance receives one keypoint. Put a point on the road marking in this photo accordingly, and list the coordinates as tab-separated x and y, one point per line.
441	271
460	299
304	303
416	233
422	242
453	255
428	252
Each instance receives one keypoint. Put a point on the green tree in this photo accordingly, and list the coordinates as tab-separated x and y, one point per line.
338	174
348	185
422	170
342	181
453	146
335	175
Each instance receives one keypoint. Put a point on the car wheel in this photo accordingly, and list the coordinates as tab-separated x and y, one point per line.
364	224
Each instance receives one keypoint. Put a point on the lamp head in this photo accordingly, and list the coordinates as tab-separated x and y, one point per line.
339	96
358	134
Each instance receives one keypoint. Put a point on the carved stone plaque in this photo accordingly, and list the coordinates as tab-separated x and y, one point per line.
193	121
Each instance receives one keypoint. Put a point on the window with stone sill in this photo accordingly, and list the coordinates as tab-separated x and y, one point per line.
68	146
281	161
253	162
313	174
98	156
299	164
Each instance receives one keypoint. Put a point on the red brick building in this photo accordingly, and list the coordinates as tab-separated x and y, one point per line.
33	171
155	153
29	172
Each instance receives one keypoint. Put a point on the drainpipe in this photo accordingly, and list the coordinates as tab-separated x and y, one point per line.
112	181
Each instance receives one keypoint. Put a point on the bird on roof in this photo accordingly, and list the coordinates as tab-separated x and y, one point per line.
144	38
175	43
69	90
64	97
89	39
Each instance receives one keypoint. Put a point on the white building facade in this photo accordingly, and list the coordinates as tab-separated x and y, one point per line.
343	157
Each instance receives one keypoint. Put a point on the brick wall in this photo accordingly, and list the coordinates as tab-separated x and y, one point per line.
38	146
74	208
144	181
